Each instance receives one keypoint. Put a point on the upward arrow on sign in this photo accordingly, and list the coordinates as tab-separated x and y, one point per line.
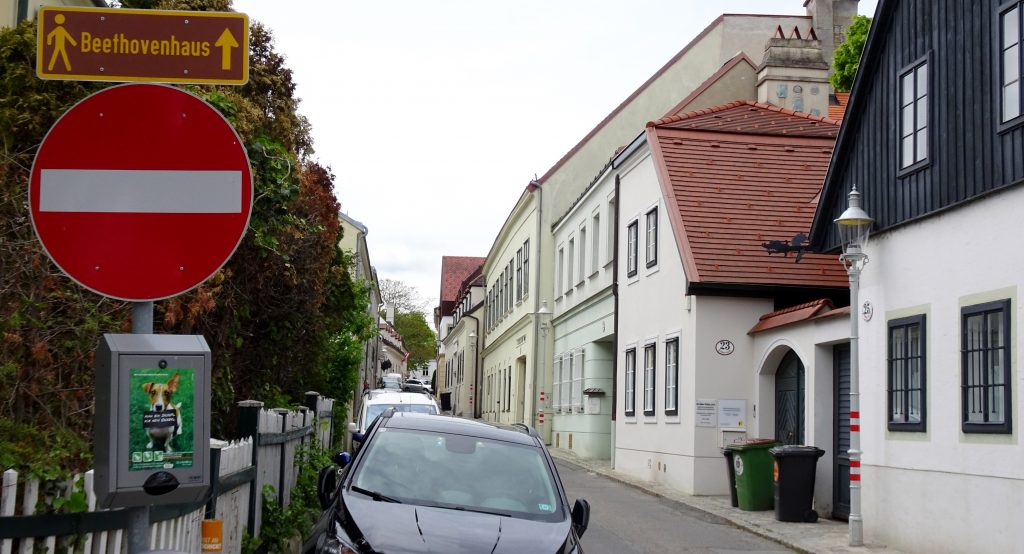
226	42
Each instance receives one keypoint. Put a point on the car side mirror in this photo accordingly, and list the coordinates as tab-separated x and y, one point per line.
326	485
352	427
581	516
342	458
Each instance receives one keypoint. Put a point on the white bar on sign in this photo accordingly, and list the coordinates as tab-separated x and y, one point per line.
140	191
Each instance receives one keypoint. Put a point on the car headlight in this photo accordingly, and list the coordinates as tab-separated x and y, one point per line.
338	542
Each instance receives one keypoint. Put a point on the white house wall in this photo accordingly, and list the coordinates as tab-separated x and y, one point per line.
922	490
652	308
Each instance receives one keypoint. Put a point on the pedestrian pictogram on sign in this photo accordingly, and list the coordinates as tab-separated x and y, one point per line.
140	192
103	44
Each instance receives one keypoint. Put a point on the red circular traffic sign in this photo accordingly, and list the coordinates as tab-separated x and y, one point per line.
140	192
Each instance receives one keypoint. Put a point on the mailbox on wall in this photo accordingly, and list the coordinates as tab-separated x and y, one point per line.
152	421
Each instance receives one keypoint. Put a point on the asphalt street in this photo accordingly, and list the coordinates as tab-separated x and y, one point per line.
624	520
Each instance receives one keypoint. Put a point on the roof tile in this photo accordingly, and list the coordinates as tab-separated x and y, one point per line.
742	174
454	271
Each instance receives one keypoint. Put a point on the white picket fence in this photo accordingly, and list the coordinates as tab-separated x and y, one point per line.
276	457
182	533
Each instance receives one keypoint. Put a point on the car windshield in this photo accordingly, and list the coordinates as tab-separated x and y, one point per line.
374	410
391	383
460	472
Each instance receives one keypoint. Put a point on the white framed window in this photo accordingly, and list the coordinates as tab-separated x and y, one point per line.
556	385
577	382
630	397
570	366
612	231
652	237
583	255
519	274
595	251
631	248
526	268
672	376
560	275
569	282
649	361
914	114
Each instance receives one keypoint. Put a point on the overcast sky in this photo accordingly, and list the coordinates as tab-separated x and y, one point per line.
435	114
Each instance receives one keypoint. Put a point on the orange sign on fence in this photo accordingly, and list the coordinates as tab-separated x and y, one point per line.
157	46
213	535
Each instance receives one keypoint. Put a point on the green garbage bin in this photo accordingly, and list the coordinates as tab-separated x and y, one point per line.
753	465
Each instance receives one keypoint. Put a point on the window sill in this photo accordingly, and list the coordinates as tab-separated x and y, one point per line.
912	169
652	263
987	428
907	427
1007	126
593	275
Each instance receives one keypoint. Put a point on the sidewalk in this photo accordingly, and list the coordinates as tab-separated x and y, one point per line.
825	536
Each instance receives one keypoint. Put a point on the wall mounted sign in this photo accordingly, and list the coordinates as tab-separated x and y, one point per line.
707	412
732	413
867	310
725	347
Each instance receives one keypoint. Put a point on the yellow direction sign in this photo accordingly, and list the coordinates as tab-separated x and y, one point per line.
156	46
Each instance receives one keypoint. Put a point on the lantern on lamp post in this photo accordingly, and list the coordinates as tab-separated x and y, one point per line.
854	227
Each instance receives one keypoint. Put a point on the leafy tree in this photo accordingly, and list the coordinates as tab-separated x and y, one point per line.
402	297
847	55
283	316
419	338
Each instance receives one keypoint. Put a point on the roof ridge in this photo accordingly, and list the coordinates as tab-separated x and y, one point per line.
821	302
734	104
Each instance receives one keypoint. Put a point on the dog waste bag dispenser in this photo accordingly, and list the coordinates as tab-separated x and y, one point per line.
152	419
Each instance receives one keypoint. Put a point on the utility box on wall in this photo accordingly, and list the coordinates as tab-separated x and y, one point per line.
152	423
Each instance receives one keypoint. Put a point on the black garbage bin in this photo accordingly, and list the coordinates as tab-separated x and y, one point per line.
732	477
794	482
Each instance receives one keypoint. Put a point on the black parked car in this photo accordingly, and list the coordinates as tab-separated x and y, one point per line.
426	483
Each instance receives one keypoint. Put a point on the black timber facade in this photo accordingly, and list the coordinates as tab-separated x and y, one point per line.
970	151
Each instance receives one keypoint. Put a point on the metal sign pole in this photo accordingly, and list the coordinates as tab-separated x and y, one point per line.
138	522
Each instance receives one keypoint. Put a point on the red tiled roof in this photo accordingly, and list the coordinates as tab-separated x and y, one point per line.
791	314
754	118
838	110
455	270
740	175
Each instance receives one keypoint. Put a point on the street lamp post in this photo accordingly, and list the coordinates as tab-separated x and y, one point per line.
854	227
539	407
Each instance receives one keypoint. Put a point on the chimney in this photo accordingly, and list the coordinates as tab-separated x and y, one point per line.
794	73
390	314
831	19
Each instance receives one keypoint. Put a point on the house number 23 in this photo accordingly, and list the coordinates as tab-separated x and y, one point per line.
725	347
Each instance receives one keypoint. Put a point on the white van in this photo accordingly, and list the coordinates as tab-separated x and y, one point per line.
376	401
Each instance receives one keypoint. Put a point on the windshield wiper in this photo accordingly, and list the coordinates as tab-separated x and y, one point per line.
375	495
465	509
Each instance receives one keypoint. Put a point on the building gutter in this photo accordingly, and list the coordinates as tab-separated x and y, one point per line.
535	187
476	367
615	321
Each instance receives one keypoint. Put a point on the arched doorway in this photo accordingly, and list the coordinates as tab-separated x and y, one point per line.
789	400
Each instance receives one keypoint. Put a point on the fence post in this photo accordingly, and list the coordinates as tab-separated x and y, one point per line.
311	400
211	505
283	412
249	426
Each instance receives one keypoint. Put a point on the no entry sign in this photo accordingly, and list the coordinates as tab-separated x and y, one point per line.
140	192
